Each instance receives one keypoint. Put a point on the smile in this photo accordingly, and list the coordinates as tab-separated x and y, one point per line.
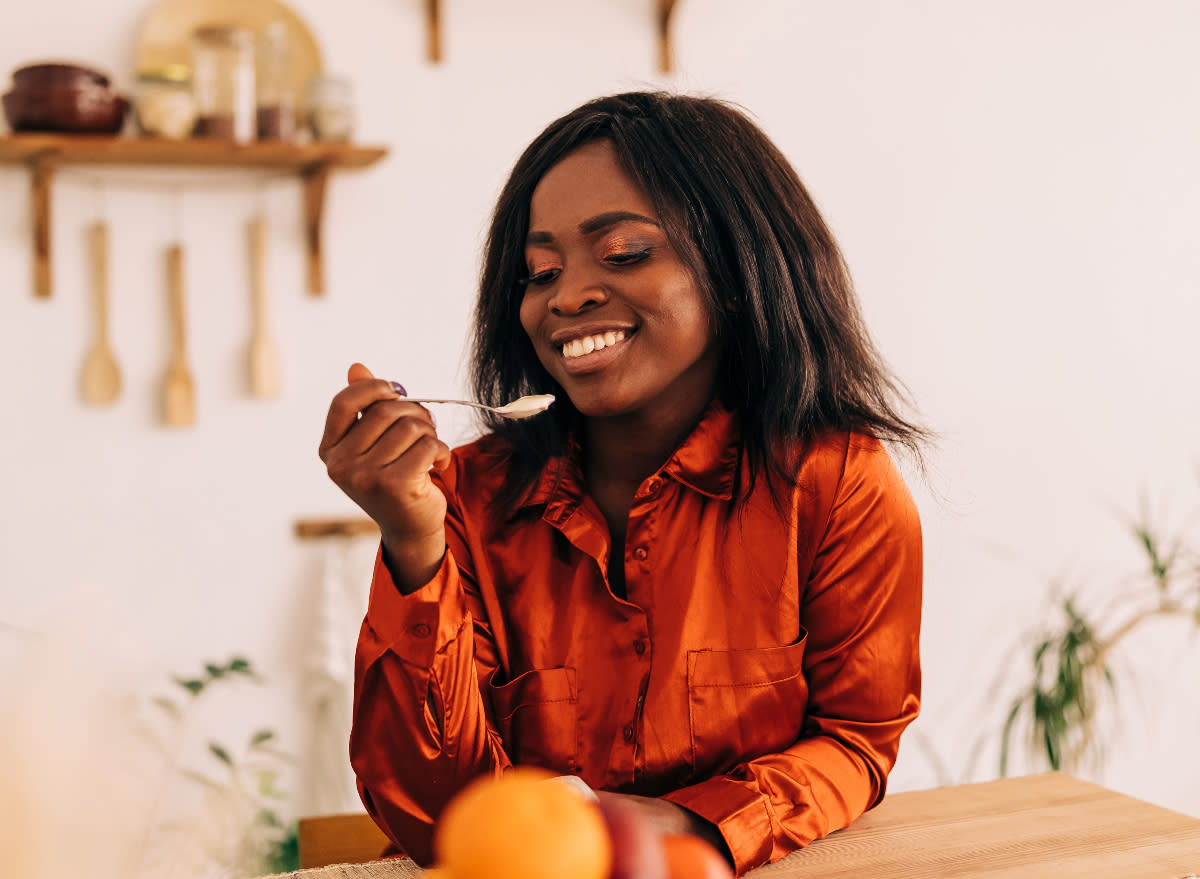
588	344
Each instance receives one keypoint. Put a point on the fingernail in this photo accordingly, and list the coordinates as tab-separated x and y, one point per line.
399	389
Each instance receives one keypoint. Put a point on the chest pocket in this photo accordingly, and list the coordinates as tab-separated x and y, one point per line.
537	715
744	703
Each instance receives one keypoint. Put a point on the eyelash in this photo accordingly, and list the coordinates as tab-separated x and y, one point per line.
622	259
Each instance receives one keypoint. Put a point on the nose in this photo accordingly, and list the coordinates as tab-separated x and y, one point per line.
576	292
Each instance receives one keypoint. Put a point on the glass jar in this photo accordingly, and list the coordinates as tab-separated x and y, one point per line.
276	98
223	83
163	102
331	108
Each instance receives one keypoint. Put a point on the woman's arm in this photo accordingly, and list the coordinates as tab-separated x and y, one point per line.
421	728
862	611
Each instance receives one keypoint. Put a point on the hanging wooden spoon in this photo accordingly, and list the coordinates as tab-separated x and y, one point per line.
266	375
100	382
179	393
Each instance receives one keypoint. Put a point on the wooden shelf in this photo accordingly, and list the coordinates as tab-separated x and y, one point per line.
308	529
44	153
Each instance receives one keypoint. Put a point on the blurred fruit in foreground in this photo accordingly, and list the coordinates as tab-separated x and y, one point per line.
519	827
637	850
690	857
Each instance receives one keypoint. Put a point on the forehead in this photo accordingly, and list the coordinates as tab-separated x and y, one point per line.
585	183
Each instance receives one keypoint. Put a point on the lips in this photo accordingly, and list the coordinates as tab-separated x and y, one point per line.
594	342
586	349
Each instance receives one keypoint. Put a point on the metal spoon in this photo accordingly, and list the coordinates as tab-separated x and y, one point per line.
522	407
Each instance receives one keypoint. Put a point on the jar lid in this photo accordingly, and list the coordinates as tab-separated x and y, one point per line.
171	73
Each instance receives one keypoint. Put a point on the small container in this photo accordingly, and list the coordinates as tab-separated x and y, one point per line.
223	83
331	108
276	96
164	103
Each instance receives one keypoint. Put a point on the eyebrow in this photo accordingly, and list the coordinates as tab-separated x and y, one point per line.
595	224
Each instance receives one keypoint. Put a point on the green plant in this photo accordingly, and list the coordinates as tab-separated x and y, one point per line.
240	831
1059	711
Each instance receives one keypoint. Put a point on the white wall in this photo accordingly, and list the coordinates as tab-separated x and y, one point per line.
1015	186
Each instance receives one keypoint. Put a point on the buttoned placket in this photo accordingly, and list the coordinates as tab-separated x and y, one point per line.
640	533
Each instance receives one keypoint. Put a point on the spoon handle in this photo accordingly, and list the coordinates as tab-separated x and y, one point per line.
458	402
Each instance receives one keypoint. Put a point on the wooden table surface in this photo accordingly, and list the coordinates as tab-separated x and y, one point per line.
1041	826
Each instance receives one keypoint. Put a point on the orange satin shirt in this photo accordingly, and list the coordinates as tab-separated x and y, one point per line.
759	673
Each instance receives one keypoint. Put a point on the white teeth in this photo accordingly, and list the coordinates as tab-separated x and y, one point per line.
588	344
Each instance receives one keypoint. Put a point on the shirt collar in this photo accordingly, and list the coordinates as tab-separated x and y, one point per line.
707	462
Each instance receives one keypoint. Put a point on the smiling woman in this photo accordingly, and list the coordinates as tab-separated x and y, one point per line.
695	582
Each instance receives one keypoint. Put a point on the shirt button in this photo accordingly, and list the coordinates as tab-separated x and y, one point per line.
640	553
639	646
421	630
653	486
629	732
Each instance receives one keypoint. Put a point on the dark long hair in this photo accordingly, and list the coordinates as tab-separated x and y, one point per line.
798	359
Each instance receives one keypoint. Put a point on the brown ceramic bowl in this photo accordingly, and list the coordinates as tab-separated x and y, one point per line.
89	110
56	74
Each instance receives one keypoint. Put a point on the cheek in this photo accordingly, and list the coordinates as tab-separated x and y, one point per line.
527	315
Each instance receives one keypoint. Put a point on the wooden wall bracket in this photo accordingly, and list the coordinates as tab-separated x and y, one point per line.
42	167
315	179
666	54
433	30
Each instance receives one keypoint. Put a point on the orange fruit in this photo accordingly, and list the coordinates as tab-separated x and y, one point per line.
690	857
518	826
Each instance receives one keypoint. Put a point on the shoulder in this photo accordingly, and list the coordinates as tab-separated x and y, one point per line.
847	468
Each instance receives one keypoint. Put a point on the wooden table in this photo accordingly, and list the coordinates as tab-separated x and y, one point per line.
1042	826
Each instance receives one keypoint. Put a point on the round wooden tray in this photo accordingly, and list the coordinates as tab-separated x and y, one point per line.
165	37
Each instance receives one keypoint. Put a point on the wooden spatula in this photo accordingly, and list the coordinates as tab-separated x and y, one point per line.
266	375
179	394
100	382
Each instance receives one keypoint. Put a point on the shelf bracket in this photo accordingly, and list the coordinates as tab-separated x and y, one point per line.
43	166
433	30
315	179
666	56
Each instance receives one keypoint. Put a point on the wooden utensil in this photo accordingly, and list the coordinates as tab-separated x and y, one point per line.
179	393
100	382
266	374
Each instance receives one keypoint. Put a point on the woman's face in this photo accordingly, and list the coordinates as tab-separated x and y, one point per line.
614	314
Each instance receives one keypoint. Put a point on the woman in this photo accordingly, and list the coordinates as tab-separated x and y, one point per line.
695	582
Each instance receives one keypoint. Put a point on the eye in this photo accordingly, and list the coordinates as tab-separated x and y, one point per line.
627	257
540	279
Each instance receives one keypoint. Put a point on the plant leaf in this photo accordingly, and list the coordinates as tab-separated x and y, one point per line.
240	665
214	671
263	735
193	685
220	753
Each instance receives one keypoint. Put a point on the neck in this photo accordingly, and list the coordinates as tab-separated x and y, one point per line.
625	450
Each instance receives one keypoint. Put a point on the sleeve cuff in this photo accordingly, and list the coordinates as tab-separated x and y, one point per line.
739	813
417	625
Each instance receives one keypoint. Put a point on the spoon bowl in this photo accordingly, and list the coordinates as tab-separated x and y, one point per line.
522	407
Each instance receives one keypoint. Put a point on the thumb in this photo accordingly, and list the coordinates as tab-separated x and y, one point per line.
357	373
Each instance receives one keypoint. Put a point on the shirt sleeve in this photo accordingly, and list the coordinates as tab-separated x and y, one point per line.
862	613
420	725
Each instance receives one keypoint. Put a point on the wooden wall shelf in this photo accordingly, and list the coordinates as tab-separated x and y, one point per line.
44	153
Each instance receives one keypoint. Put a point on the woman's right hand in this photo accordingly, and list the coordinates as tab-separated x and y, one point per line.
380	449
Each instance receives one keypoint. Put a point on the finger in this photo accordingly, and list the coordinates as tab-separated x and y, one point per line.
346	406
357	373
419	456
395	423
